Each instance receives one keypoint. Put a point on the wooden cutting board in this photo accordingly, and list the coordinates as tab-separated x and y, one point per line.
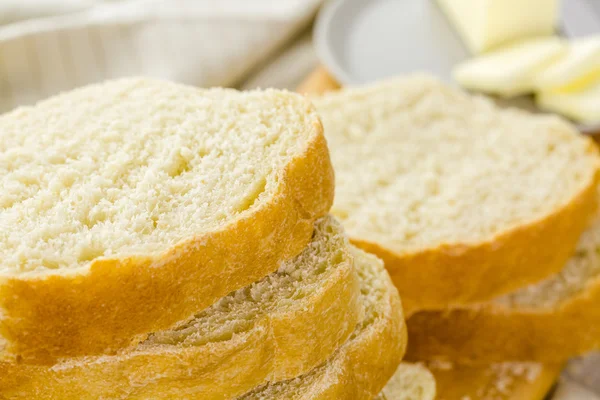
509	381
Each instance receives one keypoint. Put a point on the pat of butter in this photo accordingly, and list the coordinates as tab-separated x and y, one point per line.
485	24
581	106
509	71
577	69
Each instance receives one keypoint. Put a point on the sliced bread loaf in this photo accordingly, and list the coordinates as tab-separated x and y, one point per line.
462	200
410	382
549	321
131	205
360	368
275	329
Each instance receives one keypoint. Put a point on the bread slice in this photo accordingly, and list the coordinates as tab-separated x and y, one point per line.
410	382
462	200
550	321
500	381
275	329
360	368
130	205
446	381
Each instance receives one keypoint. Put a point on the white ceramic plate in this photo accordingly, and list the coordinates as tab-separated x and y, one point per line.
360	41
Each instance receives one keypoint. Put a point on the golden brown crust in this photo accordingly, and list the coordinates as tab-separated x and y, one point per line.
449	276
279	347
363	365
507	381
117	302
491	332
318	82
495	382
371	361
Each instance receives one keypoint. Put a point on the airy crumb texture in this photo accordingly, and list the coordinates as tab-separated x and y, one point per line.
580	271
132	205
274	329
419	164
134	166
410	382
361	366
463	200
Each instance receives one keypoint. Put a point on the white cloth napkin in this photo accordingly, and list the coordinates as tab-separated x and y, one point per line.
48	46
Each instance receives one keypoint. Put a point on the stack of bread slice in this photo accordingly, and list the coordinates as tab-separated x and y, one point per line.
550	321
485	218
161	241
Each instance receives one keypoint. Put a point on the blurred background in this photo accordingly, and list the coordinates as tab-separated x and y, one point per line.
49	46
